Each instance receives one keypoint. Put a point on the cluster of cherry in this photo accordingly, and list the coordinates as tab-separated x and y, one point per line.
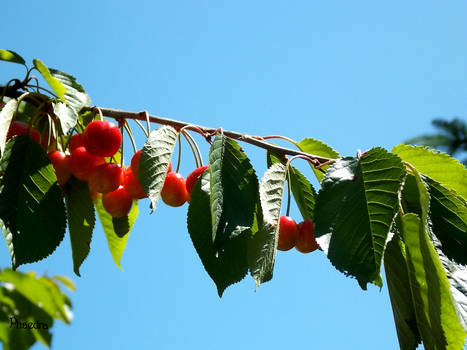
87	161
300	236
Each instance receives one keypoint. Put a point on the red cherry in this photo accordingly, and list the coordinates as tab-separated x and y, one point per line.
102	138
61	164
135	162
132	185
82	163
20	128
306	241
105	178
117	203
174	191
288	233
191	179
75	142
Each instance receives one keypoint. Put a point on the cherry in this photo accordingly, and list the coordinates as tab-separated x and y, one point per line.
288	233
105	178
102	138
132	185
20	128
82	163
191	179
75	142
174	191
306	242
61	164
117	203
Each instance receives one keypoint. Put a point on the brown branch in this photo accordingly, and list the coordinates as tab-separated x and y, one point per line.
253	140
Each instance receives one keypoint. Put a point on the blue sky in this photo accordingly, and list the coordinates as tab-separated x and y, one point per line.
354	74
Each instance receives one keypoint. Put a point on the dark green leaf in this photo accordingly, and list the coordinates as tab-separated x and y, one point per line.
31	204
11	56
116	243
355	209
449	220
154	161
234	188
303	192
436	316
400	294
263	247
56	85
228	265
318	148
81	220
6	115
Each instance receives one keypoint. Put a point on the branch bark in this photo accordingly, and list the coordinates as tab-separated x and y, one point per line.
253	140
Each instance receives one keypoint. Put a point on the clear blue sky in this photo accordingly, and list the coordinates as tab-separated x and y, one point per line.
355	74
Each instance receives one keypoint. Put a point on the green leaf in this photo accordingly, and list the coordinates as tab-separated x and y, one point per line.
234	188
263	246
116	244
437	165
66	115
75	94
448	213
436	316
56	85
81	220
457	276
6	115
31	203
22	311
303	192
11	56
227	266
154	161
67	282
318	148
41	291
354	212
400	294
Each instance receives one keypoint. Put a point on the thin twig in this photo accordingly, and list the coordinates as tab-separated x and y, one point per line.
253	140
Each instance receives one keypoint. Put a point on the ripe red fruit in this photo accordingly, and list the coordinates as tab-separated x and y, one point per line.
20	128
288	233
75	142
306	241
61	164
102	138
174	191
132	185
117	203
82	163
105	178
191	179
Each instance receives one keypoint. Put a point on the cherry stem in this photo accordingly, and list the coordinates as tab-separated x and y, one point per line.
197	129
179	153
130	135
279	137
142	127
121	146
187	137
254	140
288	189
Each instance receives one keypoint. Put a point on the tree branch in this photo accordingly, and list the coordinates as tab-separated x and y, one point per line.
253	140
